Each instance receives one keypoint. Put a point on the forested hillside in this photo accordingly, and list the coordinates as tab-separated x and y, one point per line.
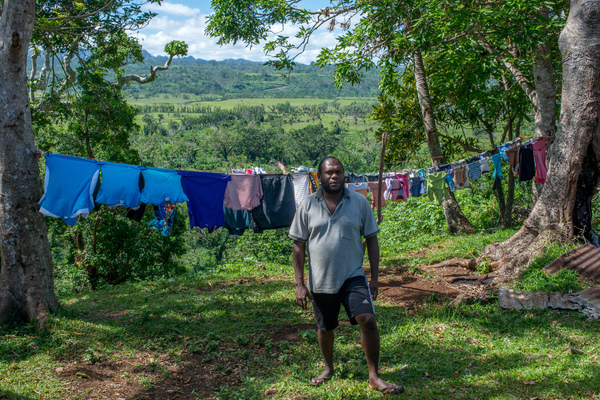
189	78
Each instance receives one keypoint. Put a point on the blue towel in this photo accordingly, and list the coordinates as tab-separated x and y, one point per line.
205	191
120	185
497	161
502	150
161	185
68	187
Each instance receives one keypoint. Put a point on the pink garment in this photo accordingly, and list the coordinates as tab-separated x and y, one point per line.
373	187
539	155
243	192
404	184
249	171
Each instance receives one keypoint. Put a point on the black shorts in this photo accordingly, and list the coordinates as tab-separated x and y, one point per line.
354	295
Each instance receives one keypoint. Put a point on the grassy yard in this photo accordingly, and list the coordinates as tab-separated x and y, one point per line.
236	333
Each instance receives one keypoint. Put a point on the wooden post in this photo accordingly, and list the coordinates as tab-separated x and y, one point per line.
384	139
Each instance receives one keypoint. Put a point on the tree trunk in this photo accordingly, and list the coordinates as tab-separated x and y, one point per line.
562	210
26	281
456	220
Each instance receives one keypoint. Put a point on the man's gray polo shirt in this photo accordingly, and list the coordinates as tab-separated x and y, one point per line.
333	242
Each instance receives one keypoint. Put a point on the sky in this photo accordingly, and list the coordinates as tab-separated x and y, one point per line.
186	20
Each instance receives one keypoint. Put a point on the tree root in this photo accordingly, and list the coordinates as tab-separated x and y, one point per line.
468	263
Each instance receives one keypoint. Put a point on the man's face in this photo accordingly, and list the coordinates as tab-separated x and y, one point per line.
332	177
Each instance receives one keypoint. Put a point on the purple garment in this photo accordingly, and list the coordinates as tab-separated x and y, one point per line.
205	191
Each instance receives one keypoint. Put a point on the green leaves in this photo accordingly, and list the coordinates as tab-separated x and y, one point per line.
176	48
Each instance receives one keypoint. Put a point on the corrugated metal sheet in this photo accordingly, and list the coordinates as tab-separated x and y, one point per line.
585	260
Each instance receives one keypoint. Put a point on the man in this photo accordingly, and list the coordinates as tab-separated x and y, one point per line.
330	225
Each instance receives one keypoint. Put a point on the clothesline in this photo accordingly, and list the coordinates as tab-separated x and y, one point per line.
73	186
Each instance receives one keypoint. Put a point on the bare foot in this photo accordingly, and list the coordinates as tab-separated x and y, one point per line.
384	387
321	379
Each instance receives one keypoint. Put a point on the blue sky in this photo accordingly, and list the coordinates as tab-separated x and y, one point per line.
186	20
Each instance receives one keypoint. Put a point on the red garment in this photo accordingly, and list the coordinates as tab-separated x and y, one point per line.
539	154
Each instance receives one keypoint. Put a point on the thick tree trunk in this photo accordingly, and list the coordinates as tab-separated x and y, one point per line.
562	210
545	88
456	220
26	281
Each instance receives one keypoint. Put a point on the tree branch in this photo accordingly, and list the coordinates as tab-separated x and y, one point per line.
514	70
465	146
147	79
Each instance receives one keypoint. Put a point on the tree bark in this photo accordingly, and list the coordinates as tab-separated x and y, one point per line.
26	280
456	220
562	210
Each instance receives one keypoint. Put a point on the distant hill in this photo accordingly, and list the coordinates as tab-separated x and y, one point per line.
239	78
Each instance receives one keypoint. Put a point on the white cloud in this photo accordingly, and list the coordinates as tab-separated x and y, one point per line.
165	28
172	9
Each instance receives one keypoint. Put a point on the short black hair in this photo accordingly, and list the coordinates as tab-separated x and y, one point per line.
320	167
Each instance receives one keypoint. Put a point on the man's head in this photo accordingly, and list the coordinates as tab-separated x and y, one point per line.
331	175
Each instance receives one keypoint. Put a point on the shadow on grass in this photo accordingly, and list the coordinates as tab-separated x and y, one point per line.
8	395
248	339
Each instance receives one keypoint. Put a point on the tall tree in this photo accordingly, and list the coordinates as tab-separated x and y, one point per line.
56	27
26	282
564	207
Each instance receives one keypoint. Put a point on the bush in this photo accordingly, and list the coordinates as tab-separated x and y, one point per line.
273	246
116	249
411	224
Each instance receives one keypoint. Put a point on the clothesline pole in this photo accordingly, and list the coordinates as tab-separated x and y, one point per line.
384	139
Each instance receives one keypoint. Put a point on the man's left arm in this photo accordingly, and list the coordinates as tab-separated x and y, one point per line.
373	250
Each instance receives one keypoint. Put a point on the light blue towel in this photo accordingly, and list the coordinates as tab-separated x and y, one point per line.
120	185
497	161
68	187
162	185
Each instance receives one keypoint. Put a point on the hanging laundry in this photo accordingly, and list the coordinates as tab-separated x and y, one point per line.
301	183
539	154
497	162
121	185
314	182
437	188
526	163
136	213
372	177
460	177
205	191
237	221
277	206
243	192
374	188
474	170
404	186
417	186
485	163
394	190
502	150
164	215
162	185
513	159
362	188
68	187
447	168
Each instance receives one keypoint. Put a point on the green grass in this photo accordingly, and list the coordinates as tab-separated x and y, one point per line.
229	316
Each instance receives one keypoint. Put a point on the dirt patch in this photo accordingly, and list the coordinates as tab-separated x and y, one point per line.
291	333
193	377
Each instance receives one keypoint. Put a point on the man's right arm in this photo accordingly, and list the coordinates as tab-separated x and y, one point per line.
298	258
